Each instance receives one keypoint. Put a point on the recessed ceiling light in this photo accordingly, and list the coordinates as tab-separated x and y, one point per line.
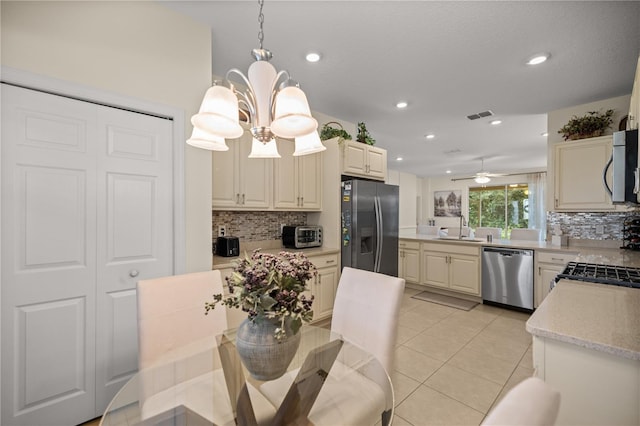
538	59
401	104
313	57
495	122
545	134
430	136
448	172
399	159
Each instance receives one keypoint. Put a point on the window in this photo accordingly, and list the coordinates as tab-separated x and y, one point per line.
500	206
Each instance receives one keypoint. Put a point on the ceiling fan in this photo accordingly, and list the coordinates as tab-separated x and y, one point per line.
482	176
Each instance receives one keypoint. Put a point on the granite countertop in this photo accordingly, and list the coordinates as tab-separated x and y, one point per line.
588	251
601	317
268	246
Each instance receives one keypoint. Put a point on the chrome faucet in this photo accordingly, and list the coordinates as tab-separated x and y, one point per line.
463	222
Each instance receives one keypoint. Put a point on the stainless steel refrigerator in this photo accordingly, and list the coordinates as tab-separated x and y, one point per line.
370	226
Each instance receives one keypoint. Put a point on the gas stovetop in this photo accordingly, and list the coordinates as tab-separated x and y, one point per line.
603	274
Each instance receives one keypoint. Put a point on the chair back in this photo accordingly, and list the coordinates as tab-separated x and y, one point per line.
366	311
454	231
525	234
428	230
171	313
482	232
531	402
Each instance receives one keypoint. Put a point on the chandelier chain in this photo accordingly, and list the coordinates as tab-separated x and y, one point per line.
261	22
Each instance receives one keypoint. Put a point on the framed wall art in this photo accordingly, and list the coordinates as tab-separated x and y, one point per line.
447	203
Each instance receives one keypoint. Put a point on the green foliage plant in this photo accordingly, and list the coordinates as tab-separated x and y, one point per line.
327	132
590	125
363	135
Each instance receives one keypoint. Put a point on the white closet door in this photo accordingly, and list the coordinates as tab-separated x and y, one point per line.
76	188
135	234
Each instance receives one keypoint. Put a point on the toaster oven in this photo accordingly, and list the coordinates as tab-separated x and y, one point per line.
302	236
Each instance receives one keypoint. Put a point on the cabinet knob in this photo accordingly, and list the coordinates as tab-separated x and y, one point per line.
133	273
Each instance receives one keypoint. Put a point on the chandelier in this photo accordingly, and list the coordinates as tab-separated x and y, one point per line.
273	104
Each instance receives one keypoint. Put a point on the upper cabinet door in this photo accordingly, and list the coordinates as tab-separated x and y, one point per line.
359	159
297	181
239	182
578	170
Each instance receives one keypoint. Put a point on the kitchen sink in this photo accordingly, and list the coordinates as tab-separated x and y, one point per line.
462	240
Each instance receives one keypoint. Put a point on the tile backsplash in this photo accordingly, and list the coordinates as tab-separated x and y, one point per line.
582	225
255	226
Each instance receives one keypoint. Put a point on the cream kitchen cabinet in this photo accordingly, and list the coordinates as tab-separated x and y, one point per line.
323	287
362	160
548	264
297	183
454	267
409	260
239	182
633	119
578	167
598	388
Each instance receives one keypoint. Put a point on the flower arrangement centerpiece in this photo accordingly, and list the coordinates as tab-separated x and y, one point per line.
270	288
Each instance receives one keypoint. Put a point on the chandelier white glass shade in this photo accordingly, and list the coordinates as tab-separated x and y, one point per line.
276	107
264	150
308	144
201	139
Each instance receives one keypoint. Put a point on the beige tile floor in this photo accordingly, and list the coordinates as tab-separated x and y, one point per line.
452	366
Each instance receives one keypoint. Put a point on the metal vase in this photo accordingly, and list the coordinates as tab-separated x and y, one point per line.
265	357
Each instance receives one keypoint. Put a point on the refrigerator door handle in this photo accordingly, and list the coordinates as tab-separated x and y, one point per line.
379	239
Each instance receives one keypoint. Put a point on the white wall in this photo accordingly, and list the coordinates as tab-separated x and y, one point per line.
408	184
139	49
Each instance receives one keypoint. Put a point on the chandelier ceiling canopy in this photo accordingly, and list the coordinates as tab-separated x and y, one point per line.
274	103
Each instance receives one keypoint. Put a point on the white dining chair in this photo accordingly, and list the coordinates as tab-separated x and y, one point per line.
366	311
428	230
365	314
482	232
525	234
178	355
454	231
531	402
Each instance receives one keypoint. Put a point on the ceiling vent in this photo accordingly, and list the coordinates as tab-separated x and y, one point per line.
452	151
486	113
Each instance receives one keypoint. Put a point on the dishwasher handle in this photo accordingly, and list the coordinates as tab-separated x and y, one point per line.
507	251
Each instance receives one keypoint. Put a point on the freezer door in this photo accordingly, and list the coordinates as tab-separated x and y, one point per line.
388	217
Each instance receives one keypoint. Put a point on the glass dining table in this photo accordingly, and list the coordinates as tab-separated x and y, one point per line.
329	382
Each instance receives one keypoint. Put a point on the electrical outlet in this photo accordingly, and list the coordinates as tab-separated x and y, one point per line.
599	229
282	225
222	230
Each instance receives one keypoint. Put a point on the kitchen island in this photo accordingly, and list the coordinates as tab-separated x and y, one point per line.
586	344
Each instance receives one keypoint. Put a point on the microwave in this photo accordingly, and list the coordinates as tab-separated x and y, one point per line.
301	236
625	171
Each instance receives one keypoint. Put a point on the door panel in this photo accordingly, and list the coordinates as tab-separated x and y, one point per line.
38	384
135	234
48	259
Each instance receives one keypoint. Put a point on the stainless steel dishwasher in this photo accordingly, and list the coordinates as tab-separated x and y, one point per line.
507	277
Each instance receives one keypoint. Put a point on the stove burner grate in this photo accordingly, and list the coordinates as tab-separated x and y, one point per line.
603	274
